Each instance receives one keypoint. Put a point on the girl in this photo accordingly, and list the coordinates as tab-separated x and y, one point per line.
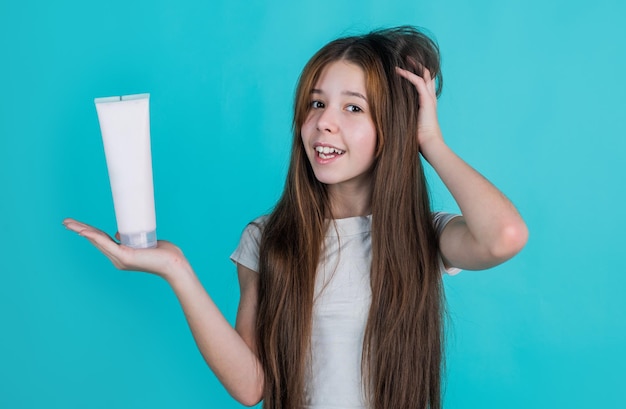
341	285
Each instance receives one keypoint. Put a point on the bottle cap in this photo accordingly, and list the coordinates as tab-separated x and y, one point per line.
139	240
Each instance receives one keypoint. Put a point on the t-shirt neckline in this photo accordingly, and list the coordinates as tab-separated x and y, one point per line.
349	226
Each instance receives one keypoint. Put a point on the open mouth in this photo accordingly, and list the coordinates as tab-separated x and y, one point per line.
327	152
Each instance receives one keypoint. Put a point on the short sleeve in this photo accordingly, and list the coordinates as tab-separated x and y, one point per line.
440	220
247	252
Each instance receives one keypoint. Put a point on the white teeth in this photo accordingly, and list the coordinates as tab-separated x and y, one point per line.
326	152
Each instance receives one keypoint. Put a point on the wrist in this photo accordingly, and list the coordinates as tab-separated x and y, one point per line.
178	270
432	148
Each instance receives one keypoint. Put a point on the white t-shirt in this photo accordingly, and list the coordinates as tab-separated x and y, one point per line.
340	308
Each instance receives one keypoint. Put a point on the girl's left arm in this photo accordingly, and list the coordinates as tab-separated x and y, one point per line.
490	230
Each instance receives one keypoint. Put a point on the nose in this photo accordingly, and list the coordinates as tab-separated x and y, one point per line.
327	121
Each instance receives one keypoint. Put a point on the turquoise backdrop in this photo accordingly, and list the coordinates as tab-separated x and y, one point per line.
534	98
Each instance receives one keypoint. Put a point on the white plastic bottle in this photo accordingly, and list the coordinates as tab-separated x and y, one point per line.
125	125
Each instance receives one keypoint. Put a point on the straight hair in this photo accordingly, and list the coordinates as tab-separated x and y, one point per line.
402	358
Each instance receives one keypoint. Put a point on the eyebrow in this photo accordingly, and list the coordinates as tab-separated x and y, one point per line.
348	93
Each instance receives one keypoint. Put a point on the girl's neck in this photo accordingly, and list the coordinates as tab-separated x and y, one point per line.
346	204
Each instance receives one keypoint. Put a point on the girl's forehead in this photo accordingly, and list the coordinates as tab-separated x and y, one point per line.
341	73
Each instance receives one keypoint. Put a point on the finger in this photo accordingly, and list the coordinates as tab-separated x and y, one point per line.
119	255
72	224
80	227
76	227
412	77
97	237
83	229
426	75
416	80
430	81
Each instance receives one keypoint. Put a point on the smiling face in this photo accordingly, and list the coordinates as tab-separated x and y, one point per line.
339	135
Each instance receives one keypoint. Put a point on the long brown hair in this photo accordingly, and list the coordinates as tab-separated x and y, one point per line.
403	346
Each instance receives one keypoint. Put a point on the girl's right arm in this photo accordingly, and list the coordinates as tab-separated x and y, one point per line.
229	352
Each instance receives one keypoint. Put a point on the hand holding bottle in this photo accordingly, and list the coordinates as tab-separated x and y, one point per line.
163	260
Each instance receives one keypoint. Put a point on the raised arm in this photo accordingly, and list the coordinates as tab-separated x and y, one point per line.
490	230
229	353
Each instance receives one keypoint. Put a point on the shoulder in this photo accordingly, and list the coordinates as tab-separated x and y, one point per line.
255	227
247	252
441	220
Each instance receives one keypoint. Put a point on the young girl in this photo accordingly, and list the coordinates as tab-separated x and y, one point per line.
341	285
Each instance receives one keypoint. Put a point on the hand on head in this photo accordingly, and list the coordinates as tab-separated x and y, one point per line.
427	122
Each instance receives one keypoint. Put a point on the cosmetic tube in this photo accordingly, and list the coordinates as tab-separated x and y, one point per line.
125	126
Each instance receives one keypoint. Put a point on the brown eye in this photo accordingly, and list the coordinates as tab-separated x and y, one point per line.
317	104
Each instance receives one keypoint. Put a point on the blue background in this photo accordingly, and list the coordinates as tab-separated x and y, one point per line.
533	98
